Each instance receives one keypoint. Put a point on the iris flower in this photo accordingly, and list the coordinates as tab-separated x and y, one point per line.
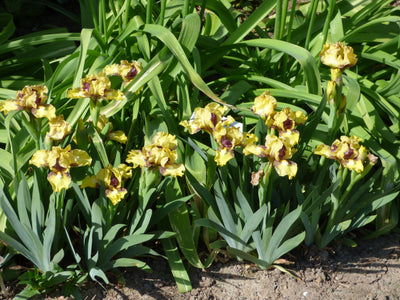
278	150
112	179
159	154
286	119
227	133
348	152
205	118
59	128
126	70
338	56
59	161
95	87
264	106
31	98
228	136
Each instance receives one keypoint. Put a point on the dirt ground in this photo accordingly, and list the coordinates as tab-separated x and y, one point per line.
369	271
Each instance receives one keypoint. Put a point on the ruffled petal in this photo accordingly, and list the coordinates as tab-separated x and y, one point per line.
44	111
59	180
137	158
173	170
118	136
222	156
116	195
40	158
353	164
59	128
286	168
113	95
89	181
77	93
9	105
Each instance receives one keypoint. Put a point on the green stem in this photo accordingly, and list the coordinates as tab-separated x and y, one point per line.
311	20
331	8
278	21
202	10
288	38
115	13
149	179
95	16
112	210
59	206
283	17
33	128
335	197
265	189
337	108
95	112
149	12
185	10
356	177
162	12
290	24
127	12
103	18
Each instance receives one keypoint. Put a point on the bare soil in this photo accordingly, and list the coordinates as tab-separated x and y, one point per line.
369	271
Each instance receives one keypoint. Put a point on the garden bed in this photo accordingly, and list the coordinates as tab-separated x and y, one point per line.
204	141
368	271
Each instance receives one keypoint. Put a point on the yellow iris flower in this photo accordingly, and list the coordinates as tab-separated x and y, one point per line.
286	119
226	132
126	70
112	179
95	87
264	105
205	118
59	128
159	154
348	152
338	56
278	150
59	161
31	98
228	137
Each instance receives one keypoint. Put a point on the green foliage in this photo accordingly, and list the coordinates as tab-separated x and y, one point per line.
108	211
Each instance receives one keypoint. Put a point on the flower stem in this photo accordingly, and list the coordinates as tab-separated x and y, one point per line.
265	189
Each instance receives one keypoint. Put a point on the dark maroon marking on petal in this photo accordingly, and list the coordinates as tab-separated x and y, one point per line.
114	181
226	142
288	124
131	74
334	148
86	87
348	154
282	152
58	167
214	119
38	99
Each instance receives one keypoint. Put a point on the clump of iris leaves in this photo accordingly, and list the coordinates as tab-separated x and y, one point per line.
193	53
